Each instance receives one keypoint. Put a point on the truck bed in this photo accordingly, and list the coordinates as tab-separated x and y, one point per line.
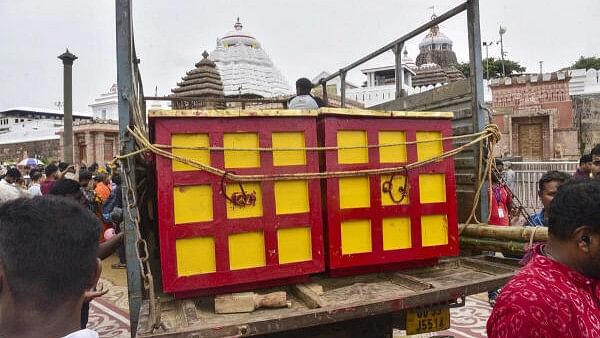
345	299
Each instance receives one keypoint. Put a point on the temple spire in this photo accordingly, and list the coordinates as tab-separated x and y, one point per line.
238	25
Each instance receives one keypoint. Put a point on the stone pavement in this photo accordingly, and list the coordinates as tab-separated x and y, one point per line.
110	318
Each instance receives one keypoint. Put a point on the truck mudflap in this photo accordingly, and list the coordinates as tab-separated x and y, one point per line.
420	296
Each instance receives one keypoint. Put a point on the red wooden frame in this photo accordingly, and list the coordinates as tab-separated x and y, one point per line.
220	227
328	127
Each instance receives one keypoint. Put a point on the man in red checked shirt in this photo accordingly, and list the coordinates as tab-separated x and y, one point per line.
557	294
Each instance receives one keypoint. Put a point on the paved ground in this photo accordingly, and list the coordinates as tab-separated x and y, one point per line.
110	318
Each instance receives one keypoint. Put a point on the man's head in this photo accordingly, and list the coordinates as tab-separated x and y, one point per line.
35	175
585	163
68	188
12	175
303	86
99	178
84	178
51	171
574	225
48	255
116	178
548	185
499	165
596	160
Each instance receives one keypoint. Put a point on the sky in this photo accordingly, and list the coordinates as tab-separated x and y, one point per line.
302	38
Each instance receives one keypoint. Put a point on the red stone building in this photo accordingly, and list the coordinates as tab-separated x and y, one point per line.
94	141
535	115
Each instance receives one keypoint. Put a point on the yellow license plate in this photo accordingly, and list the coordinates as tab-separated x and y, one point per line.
427	320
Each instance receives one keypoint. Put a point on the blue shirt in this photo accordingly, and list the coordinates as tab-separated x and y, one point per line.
538	219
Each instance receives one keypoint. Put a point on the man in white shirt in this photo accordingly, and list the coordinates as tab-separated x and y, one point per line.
8	189
34	187
303	98
48	265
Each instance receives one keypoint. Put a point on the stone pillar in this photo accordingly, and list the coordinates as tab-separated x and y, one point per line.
99	146
67	59
510	136
551	135
89	145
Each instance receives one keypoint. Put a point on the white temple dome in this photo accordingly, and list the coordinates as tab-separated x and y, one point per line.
246	69
435	38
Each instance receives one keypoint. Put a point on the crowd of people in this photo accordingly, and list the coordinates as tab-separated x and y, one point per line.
56	224
92	195
557	292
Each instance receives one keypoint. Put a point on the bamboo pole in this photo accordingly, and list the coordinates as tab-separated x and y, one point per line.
484	244
516	233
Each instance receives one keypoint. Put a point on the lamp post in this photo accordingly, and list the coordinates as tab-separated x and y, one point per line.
487	59
502	30
67	59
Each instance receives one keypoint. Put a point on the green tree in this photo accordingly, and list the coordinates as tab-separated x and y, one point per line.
587	63
495	68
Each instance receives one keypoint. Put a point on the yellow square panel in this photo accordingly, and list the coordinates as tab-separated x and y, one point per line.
356	236
246	211
351	138
427	150
434	230
241	158
396	233
246	250
354	192
193	203
291	197
190	140
397	182
294	245
432	188
288	140
195	256
392	154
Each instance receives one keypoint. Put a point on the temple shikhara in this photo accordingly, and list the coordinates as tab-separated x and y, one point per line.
245	67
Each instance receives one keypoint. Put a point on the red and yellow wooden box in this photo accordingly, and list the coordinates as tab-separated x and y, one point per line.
365	228
207	243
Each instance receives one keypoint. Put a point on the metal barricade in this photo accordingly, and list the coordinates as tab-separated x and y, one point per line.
527	175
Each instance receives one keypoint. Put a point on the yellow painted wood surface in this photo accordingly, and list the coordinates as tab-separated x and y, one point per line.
396	233
288	140
432	188
294	245
431	149
291	197
193	203
350	138
195	256
247	211
356	236
246	250
434	230
190	140
241	158
354	192
393	154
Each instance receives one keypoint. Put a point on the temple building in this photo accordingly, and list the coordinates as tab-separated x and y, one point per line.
434	67
435	62
204	81
245	67
106	106
535	115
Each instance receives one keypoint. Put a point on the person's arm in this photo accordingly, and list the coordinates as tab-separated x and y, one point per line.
107	248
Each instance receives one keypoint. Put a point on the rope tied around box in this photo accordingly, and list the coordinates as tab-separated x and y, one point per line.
490	135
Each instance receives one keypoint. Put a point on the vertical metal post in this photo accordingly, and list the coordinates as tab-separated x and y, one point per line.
67	59
398	70
343	89
124	80
325	96
477	94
